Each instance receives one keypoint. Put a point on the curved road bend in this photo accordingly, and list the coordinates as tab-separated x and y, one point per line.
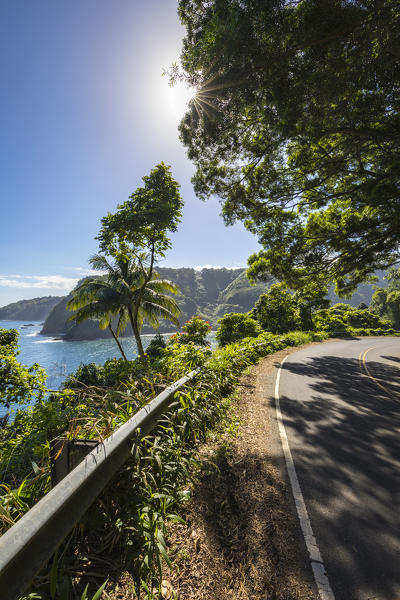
340	403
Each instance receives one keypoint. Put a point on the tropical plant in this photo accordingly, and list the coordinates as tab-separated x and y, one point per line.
125	292
194	331
96	298
136	236
276	310
155	349
386	301
235	326
19	384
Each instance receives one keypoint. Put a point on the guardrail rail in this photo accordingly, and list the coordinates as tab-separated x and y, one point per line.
29	544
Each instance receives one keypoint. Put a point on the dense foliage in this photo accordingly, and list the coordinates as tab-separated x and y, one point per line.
19	384
131	516
295	126
386	301
276	310
142	223
147	494
279	311
342	318
194	331
236	326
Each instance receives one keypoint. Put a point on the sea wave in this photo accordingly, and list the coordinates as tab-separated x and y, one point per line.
48	341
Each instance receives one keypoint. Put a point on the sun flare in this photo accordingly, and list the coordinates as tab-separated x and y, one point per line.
178	98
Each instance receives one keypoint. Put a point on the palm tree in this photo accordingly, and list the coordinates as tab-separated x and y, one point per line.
94	298
129	291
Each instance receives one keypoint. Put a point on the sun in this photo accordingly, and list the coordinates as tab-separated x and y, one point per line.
178	97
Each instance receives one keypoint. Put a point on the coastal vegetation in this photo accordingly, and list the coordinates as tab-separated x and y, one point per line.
209	293
206	292
295	127
133	513
19	384
127	294
130	520
295	130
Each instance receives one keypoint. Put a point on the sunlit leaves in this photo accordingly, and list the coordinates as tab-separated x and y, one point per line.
303	144
19	384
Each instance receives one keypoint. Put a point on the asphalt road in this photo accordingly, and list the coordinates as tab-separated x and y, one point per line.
340	403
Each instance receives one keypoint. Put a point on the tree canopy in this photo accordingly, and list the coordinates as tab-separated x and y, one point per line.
296	127
135	237
141	224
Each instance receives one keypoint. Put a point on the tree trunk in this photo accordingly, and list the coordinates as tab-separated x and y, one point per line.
136	333
134	316
118	343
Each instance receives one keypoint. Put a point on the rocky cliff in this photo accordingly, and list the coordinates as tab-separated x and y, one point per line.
209	293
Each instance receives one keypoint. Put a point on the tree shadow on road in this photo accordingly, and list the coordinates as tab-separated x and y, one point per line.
344	436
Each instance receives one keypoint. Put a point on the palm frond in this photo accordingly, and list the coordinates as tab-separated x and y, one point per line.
163	285
98	262
123	321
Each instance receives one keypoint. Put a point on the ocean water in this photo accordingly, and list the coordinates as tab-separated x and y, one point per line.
59	357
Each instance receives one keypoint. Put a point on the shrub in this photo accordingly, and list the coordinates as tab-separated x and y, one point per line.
179	359
114	373
85	375
343	317
156	347
194	331
276	310
236	326
19	384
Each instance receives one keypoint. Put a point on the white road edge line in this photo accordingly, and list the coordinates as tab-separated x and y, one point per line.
317	564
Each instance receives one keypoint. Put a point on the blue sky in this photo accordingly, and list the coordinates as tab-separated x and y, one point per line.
85	113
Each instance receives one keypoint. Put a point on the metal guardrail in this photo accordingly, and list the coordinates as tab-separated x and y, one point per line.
29	544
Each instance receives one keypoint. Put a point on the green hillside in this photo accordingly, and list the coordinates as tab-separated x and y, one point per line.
209	293
36	309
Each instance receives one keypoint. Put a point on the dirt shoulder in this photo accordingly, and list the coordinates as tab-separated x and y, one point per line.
242	539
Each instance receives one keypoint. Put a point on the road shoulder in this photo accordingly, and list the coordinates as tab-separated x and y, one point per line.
242	539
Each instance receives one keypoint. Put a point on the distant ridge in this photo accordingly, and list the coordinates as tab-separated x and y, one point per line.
209	293
36	309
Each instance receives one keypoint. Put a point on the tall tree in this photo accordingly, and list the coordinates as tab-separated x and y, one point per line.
137	234
296	127
276	310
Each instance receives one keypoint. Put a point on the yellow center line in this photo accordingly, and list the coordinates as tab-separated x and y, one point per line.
363	364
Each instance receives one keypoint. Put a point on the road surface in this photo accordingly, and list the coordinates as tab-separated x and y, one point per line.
340	404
